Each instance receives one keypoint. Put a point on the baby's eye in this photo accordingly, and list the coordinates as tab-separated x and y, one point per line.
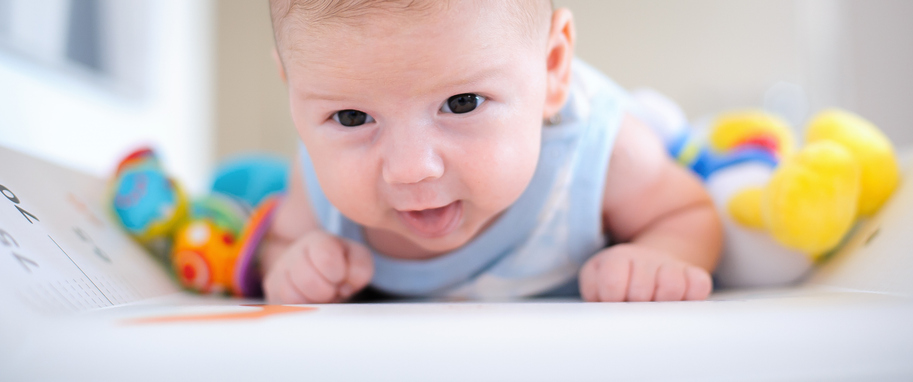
462	103
352	118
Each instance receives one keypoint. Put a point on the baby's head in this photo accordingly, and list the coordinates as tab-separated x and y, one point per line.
423	118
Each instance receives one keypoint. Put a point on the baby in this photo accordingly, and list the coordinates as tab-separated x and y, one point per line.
457	149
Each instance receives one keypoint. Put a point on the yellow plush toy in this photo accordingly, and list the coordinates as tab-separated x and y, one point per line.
782	206
846	170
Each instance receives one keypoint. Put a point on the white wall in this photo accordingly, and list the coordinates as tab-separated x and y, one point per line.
880	43
72	117
251	102
713	55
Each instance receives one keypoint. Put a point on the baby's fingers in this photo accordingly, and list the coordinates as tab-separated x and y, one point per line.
589	279
643	280
360	270
310	283
278	288
699	283
327	256
670	283
613	275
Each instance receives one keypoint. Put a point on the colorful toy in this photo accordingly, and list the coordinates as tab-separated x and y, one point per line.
148	203
210	245
783	210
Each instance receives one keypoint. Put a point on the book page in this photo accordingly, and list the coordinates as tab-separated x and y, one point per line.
60	249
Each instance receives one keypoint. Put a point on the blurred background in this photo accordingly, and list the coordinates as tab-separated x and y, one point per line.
82	82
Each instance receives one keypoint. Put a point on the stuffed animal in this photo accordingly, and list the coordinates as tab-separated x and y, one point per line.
210	244
783	208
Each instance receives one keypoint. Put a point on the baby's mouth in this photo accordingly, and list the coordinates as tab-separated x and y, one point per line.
433	222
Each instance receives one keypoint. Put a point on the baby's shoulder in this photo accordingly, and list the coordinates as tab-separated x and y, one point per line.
594	96
592	84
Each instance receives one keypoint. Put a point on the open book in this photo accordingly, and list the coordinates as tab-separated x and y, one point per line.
79	300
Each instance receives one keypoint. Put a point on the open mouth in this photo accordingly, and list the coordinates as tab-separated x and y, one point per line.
433	222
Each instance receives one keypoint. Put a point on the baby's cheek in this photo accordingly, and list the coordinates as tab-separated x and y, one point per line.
503	176
349	186
502	154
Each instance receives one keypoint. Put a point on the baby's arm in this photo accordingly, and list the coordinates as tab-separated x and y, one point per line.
669	232
301	263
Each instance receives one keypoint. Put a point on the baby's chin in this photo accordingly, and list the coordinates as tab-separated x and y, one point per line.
422	247
461	235
404	243
431	248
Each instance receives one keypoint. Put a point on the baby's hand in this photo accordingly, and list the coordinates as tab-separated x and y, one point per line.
318	268
629	272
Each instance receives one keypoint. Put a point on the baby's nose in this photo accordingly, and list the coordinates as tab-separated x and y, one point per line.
411	157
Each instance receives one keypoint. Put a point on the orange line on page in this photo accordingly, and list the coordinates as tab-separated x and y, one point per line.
264	311
84	209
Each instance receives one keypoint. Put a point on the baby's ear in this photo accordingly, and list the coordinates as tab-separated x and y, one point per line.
560	53
279	66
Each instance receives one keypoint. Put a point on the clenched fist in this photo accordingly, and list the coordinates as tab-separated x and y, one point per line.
629	272
318	268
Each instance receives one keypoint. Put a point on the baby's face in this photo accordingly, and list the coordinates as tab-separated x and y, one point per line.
424	127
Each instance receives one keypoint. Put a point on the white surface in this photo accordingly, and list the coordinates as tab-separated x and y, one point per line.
805	335
828	332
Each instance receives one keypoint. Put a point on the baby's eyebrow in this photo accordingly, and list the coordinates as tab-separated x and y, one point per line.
484	74
477	77
311	95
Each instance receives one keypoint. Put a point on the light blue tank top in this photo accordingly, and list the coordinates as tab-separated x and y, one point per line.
540	242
